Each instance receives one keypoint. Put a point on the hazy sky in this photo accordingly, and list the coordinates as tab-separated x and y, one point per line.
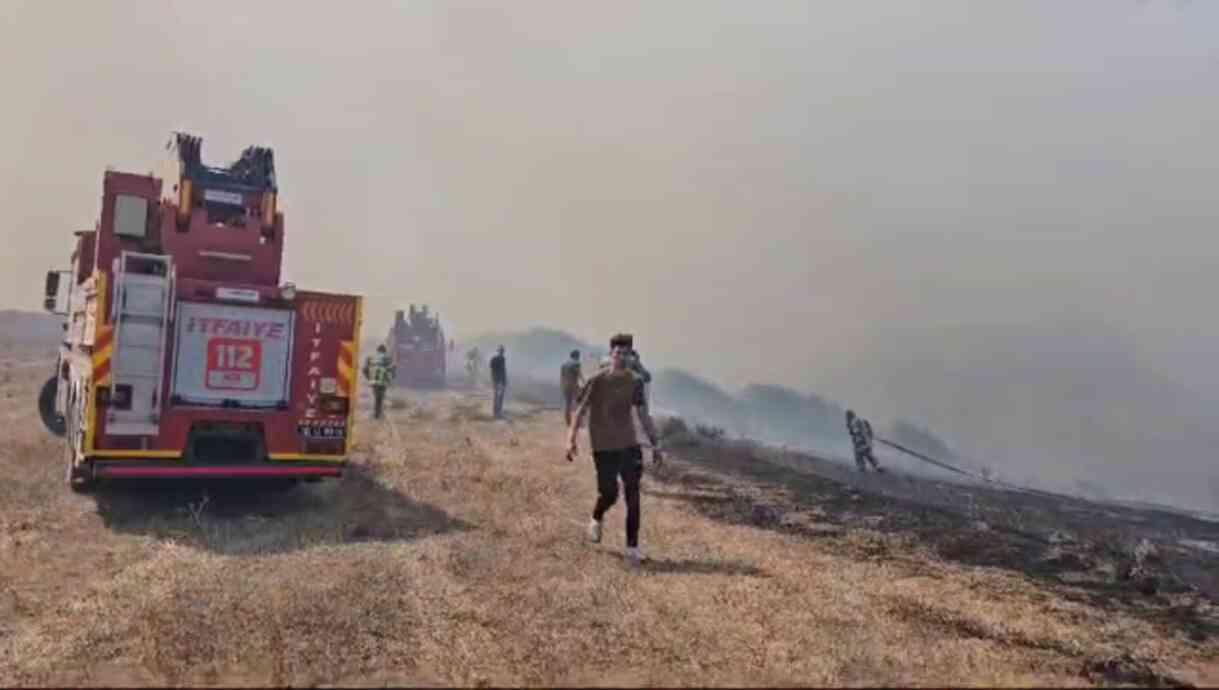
757	190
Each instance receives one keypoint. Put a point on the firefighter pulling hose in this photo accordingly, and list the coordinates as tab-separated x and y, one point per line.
861	439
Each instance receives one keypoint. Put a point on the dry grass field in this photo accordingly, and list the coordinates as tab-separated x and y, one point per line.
452	553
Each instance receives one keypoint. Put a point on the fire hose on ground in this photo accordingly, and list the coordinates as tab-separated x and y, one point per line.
961	471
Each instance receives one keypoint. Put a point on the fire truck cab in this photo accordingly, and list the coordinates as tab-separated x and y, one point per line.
183	354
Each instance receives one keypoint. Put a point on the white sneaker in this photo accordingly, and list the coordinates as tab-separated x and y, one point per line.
635	555
594	531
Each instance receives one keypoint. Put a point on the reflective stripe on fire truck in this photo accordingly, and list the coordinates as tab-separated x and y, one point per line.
346	368
99	313
307	457
355	376
103	351
317	311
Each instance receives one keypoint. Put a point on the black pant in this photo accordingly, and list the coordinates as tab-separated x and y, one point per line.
498	404
569	403
378	397
627	463
863	455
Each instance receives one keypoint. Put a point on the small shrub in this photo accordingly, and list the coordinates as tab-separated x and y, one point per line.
714	433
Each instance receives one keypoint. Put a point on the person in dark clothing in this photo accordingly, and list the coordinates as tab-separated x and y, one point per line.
861	438
499	380
635	364
570	381
608	399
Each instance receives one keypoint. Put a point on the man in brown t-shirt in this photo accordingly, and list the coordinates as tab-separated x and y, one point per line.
608	399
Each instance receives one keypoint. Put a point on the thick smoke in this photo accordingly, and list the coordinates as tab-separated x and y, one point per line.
938	212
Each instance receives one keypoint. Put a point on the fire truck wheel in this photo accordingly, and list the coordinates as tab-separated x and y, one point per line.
46	408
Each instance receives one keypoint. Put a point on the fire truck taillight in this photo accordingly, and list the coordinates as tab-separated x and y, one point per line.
332	404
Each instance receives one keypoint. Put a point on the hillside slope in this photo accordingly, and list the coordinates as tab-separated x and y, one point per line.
453	553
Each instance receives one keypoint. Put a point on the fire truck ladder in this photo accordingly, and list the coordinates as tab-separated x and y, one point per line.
141	312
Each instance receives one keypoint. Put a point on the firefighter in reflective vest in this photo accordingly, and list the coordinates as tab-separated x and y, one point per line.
379	371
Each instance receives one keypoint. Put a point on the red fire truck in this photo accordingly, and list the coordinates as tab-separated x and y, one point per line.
183	354
418	348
